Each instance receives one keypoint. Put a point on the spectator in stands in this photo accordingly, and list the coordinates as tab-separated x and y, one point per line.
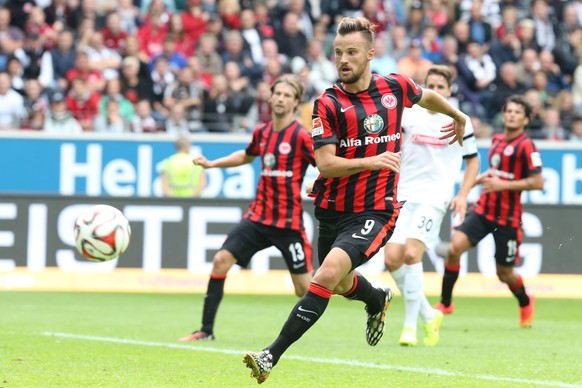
102	58
509	22
553	129
568	23
87	11
556	80
449	52
577	85
398	42
59	119
477	72
544	26
564	102
36	24
129	15
114	36
229	12
112	120
12	109
264	24
60	11
203	79
241	95
34	101
437	14
194	21
161	78
506	49
151	35
431	44
184	43
175	59
31	56
271	52
576	129
414	65
416	21
132	49
322	72
372	12
536	123
462	34
83	102
16	72
143	121
58	62
526	67
207	54
166	5
93	78
251	34
290	39
507	85
488	9
261	109
480	31
215	26
135	86
304	10
217	106
567	53
12	38
235	52
186	93
177	122
382	63
527	36
113	92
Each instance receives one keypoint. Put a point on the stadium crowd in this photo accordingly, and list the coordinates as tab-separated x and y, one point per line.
185	66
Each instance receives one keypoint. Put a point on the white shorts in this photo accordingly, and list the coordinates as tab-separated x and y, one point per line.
420	222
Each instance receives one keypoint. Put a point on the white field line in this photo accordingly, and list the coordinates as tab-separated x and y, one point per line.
351	363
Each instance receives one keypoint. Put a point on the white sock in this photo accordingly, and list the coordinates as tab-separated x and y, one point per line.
398	277
426	310
413	293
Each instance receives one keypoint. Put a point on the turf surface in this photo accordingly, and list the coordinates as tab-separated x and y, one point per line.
129	340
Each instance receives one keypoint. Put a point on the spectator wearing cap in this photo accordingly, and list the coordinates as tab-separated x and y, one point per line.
11	104
12	37
59	119
414	65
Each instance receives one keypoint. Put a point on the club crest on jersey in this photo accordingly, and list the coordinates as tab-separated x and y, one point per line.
284	148
373	123
317	127
389	101
269	160
508	151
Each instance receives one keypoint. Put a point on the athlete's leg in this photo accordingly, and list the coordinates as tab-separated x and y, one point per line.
301	283
459	244
394	260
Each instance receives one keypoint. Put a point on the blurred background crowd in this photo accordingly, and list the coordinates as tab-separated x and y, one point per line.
186	66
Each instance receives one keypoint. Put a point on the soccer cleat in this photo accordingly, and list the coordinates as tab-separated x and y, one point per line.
198	335
260	364
527	313
445	309
431	329
375	323
408	337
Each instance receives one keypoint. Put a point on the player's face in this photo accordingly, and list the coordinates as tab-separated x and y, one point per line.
283	99
514	117
438	83
352	57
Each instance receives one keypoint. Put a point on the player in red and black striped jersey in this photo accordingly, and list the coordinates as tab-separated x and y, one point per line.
275	217
356	130
515	165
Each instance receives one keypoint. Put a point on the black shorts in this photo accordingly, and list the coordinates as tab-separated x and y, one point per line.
360	235
249	237
507	238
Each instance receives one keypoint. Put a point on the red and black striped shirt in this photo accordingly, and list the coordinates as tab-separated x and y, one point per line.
509	159
361	125
285	156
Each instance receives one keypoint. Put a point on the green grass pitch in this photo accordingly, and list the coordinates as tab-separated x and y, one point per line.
129	340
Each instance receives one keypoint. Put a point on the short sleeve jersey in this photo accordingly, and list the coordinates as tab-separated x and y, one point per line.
509	159
361	125
285	156
429	166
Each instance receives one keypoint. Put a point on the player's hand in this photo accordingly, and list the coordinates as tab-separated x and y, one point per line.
455	129
309	187
491	183
389	160
201	161
459	208
481	177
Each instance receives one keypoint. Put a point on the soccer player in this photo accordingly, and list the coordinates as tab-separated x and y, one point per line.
428	169
275	217
515	165
356	130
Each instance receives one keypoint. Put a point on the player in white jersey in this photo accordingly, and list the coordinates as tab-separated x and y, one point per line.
428	170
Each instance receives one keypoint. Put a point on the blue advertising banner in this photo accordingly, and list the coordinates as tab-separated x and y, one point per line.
128	165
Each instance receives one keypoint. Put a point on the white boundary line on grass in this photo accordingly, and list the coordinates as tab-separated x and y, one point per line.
435	371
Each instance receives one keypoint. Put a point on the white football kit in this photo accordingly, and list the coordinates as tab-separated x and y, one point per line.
428	170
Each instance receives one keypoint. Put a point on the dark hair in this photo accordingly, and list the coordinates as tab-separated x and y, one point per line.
519	100
349	25
443	71
293	81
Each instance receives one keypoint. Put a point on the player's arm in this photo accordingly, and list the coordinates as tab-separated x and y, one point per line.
237	158
331	166
492	183
459	203
435	102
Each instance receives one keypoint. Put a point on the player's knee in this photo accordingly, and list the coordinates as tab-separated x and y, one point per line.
454	253
222	262
503	276
392	263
